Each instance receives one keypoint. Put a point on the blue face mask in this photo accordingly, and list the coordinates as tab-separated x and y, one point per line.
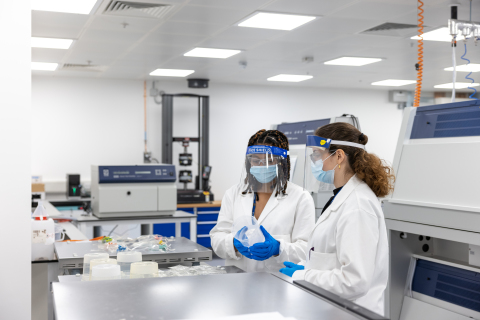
322	176
264	174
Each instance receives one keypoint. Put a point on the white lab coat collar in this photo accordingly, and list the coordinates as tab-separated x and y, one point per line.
340	198
247	204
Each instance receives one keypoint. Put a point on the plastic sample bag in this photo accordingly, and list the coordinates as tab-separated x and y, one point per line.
247	231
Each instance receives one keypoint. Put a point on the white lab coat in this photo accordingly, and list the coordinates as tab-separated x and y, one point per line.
289	220
350	255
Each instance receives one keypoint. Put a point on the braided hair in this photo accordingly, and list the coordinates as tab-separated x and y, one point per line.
273	138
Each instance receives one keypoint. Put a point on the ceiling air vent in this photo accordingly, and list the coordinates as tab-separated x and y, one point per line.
393	30
83	67
137	9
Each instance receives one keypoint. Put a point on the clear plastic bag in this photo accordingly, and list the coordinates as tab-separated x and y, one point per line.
247	231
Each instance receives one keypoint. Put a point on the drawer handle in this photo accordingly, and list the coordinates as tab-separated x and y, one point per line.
128	193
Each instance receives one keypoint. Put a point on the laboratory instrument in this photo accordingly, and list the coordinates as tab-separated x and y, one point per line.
133	191
433	215
74	186
201	192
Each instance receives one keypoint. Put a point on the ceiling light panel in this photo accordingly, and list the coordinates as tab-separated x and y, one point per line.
472	67
211	53
352	61
171	72
393	83
45	66
441	34
276	21
67	6
52	43
289	78
458	85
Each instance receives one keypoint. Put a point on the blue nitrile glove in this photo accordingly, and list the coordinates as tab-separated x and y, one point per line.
264	250
240	247
291	268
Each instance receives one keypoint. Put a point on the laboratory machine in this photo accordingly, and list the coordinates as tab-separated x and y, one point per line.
133	190
296	133
433	215
201	192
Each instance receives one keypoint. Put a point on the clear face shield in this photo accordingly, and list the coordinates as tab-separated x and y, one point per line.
265	169
317	154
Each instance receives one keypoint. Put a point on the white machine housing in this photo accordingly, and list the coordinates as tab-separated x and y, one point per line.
137	190
433	215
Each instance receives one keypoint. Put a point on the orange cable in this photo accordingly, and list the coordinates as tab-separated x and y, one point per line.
418	89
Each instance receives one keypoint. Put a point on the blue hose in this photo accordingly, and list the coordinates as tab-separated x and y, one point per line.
468	75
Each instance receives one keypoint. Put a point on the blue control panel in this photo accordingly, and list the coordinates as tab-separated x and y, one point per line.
459	119
136	174
450	284
297	132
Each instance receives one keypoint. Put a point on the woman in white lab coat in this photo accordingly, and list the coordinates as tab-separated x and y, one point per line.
348	249
285	212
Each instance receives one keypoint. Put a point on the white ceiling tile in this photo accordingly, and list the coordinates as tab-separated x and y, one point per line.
376	10
189	63
195	29
324	29
308	7
232	4
57	25
266	52
47	55
231	43
236	32
116	23
112	36
145	50
209	15
173	40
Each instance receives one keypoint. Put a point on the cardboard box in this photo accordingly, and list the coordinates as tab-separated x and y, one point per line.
38	187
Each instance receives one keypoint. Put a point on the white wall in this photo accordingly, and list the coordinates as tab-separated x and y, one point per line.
15	157
80	121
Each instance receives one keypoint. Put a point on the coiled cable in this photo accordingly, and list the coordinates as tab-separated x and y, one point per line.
419	65
468	75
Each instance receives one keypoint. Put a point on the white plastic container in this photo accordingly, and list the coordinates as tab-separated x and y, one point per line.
86	262
125	259
96	262
106	272
43	235
146	269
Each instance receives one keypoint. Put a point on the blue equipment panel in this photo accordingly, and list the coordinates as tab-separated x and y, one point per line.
135	174
459	119
450	284
297	132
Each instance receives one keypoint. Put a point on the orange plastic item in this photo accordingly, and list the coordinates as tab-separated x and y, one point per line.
94	239
418	89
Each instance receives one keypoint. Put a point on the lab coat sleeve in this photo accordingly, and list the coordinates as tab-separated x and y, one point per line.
295	251
221	235
357	236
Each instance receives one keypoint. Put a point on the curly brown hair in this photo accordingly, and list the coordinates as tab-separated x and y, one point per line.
273	138
367	166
